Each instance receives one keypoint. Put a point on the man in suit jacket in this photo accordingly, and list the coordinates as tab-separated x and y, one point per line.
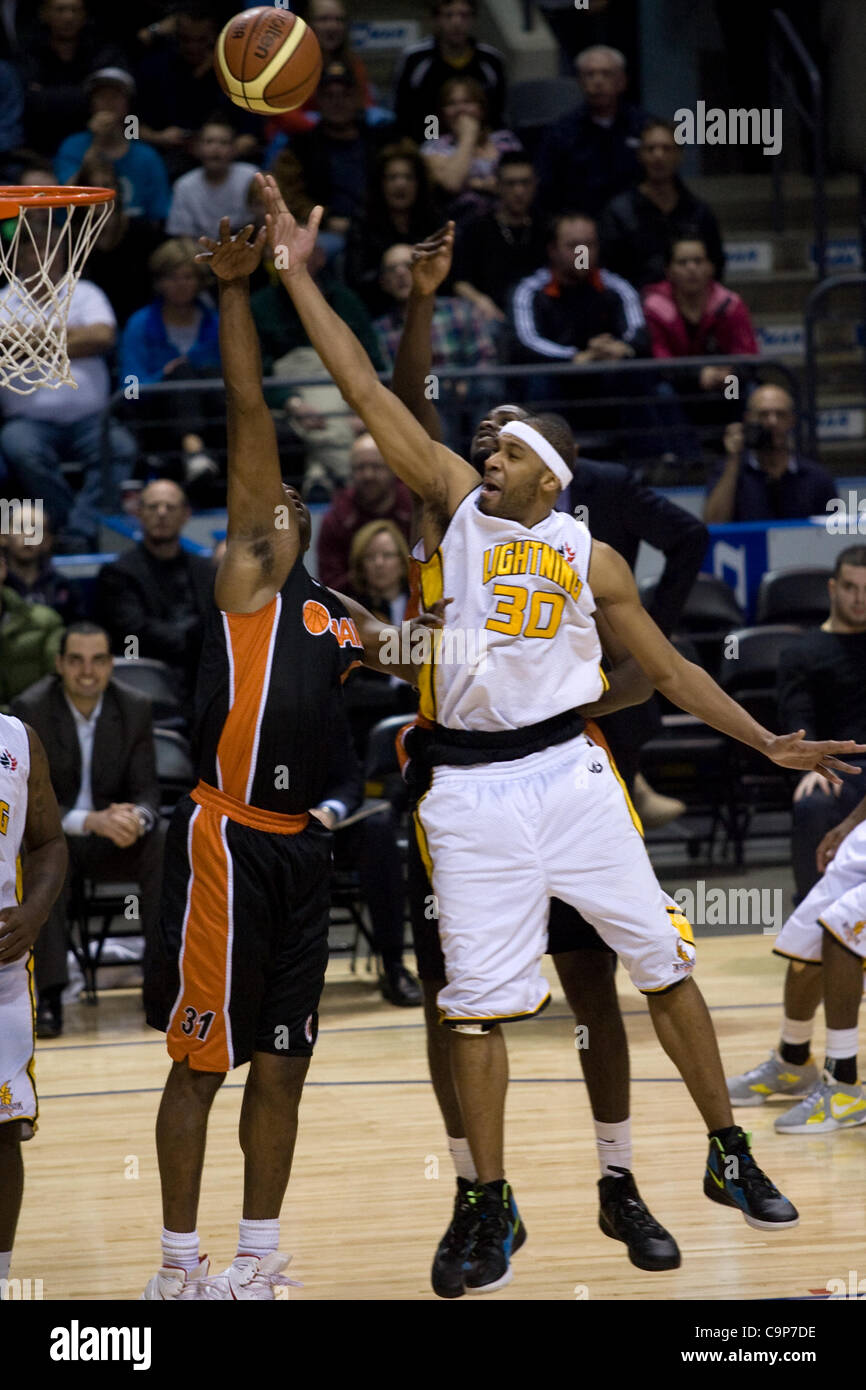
158	592
620	511
99	740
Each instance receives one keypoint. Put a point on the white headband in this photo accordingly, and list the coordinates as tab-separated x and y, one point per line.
518	429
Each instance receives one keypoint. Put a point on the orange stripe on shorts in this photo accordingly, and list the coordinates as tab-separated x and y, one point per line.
199	1026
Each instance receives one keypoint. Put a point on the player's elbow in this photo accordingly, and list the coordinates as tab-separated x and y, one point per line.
672	677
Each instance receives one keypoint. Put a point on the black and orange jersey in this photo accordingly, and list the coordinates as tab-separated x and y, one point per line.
265	695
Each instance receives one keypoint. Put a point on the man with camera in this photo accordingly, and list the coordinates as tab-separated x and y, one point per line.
762	478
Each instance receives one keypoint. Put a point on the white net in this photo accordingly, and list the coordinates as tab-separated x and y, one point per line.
42	254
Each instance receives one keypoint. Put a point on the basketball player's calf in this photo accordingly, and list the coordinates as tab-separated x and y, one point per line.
588	978
12	1135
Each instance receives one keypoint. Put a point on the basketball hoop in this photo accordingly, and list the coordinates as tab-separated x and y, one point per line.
41	261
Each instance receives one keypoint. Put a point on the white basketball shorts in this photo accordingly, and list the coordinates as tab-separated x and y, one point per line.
501	839
17	1032
837	902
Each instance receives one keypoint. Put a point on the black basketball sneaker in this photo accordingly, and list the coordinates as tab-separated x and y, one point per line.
623	1215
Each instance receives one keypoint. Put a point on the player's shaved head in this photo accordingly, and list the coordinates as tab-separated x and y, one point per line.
485	437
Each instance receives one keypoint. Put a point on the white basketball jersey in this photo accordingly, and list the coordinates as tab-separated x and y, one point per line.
520	644
14	772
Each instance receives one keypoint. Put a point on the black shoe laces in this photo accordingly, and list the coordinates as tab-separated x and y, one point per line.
462	1225
492	1226
636	1212
753	1180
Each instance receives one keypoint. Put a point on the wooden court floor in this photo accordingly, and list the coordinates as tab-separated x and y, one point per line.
366	1208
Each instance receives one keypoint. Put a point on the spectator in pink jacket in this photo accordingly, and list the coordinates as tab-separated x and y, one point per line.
691	315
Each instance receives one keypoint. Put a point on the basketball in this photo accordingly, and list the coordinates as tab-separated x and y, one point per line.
267	60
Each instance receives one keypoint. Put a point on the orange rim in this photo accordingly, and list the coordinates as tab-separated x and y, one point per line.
13	199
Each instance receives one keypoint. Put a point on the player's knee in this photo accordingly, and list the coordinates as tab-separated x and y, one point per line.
198	1085
14	1133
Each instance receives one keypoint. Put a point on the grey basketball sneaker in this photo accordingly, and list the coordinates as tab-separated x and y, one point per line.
830	1105
775	1077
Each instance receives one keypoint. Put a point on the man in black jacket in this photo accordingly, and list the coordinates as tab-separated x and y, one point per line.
637	226
157	592
338	155
590	155
98	738
451	52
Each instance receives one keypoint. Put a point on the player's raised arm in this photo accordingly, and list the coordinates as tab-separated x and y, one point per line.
429	469
43	866
263	540
688	686
381	640
431	262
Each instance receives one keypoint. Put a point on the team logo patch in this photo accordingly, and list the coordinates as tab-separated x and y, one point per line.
8	1106
7	760
686	955
857	928
318	620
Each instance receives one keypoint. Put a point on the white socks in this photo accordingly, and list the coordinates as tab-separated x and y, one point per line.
258	1237
842	1042
461	1157
614	1147
797	1031
180	1249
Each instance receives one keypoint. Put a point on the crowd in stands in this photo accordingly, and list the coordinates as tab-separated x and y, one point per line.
581	247
577	244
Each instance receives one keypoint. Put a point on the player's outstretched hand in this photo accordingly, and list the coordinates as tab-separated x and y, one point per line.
291	243
431	260
794	750
233	257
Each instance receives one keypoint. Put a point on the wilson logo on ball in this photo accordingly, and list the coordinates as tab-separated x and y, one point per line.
267	60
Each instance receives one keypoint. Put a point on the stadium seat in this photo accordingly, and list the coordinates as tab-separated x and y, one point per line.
175	770
152	678
754	657
709	613
794	596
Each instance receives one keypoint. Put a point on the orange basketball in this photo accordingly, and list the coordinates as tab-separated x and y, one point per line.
267	60
317	619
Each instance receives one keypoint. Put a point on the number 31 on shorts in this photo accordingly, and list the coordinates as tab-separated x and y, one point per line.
542	620
195	1020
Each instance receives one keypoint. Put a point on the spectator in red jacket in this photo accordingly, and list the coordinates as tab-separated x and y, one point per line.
691	315
373	495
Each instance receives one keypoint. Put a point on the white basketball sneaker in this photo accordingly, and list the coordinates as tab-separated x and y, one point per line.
258	1276
170	1283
